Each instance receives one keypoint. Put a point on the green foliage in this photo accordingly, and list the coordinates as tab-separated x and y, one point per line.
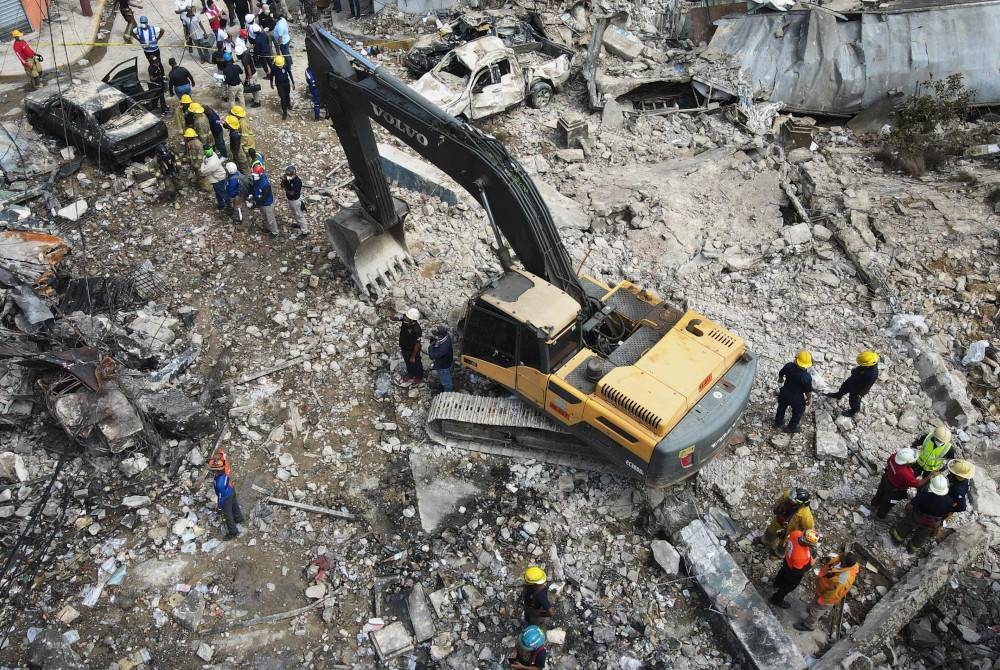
928	127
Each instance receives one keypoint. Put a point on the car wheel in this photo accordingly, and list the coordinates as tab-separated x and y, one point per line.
540	95
463	118
34	119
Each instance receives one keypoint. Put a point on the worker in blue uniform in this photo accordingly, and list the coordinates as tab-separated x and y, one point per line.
226	494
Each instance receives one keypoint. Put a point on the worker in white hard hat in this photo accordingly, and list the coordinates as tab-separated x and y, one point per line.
409	347
897	479
925	514
934	450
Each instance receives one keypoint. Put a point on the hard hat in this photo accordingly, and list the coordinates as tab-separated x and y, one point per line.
905	456
939	485
413	314
258	169
209	151
962	469
231	167
279	61
16	33
186	99
232	122
190	132
243	33
812	538
804	359
227	56
238	112
217	463
535	575
800	496
867	358
532	638
290	169
249	18
942	434
143	19
196	108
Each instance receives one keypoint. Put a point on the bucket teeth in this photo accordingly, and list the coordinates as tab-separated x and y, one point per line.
376	259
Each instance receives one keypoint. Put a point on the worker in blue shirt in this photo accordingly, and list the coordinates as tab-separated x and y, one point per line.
960	474
796	391
314	93
226	494
924	515
859	383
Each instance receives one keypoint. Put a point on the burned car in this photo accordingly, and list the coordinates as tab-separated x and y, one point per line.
98	118
428	50
484	77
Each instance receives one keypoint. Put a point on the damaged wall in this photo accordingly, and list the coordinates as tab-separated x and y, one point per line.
816	62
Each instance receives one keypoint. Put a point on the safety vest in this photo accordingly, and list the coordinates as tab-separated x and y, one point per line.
797	555
931	458
147	37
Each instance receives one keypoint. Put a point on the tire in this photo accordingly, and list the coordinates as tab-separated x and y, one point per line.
540	94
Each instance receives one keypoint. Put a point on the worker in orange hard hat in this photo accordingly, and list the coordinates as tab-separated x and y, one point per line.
226	494
796	391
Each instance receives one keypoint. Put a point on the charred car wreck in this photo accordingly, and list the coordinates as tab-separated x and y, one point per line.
484	77
428	50
100	118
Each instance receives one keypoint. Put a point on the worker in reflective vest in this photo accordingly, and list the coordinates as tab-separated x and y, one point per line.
798	560
835	579
149	37
935	450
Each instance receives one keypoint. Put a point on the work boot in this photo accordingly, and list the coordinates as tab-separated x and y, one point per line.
832	395
803	626
848	413
231	536
792	431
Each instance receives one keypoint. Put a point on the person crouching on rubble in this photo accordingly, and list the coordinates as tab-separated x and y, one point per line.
226	494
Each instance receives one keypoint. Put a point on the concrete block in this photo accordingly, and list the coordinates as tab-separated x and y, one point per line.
800	233
391	641
622	43
421	617
829	442
438	496
74	211
666	557
756	632
414	173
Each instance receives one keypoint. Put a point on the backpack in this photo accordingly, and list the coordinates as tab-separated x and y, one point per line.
246	185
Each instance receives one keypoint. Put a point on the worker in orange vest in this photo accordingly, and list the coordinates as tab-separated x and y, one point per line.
835	579
798	560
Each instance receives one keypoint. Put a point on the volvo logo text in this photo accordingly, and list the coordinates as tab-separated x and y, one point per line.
386	116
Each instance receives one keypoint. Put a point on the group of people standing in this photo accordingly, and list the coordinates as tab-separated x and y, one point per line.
928	468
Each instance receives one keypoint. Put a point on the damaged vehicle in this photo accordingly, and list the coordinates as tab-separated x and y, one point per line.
428	50
99	119
484	77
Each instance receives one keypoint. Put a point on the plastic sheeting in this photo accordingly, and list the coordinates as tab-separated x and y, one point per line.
816	62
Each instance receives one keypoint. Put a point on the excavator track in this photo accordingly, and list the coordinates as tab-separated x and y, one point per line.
506	426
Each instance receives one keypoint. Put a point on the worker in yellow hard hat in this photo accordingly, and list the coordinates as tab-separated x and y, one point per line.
281	79
246	131
796	391
30	61
194	152
537	607
182	117
859	382
960	474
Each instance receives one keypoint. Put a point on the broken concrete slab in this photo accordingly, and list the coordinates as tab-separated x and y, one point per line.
622	43
829	442
421	617
74	211
416	174
50	650
756	632
391	641
12	467
438	496
190	611
800	233
567	214
947	391
666	557
172	412
909	595
985	498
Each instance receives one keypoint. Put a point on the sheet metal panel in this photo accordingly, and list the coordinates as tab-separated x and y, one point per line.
816	63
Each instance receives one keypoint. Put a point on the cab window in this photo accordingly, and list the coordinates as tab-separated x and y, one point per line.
564	346
490	337
529	349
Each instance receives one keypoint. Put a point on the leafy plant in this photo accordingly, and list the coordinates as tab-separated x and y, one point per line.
928	127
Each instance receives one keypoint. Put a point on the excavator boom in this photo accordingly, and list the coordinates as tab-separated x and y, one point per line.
356	91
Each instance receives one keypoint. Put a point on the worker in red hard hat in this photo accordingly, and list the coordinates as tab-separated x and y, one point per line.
226	494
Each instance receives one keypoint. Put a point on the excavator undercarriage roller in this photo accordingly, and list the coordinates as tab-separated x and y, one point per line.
375	256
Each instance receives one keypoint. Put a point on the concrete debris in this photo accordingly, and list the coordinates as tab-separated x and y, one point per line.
205	652
391	641
829	443
666	557
12	467
74	211
421	617
190	611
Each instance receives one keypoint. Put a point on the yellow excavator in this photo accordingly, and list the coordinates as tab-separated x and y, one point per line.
604	376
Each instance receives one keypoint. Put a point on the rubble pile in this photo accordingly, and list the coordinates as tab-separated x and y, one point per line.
144	332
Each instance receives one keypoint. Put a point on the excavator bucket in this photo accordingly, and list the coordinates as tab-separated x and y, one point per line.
376	256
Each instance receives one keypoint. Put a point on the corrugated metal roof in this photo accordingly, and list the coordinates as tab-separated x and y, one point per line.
815	62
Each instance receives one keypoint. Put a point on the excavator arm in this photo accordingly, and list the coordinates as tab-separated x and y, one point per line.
355	91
